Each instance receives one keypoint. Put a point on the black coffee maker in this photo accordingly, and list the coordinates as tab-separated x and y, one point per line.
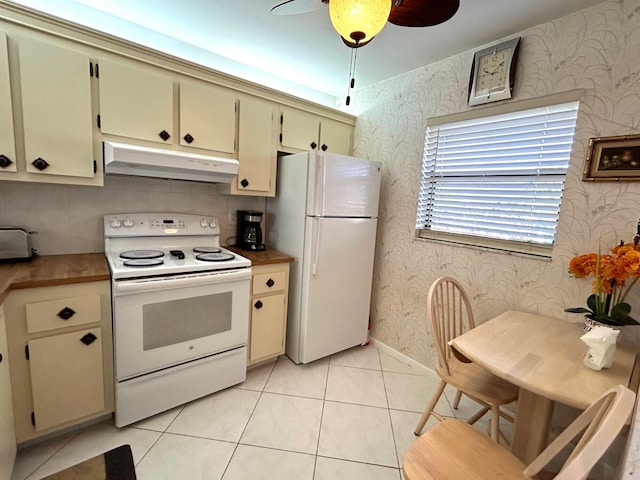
249	233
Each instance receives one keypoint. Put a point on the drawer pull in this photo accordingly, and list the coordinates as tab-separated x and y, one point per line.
258	305
40	163
66	313
88	339
4	161
270	283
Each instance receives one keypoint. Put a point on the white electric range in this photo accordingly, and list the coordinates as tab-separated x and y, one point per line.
180	311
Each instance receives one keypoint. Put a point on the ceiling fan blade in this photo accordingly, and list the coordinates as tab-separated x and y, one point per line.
423	13
295	7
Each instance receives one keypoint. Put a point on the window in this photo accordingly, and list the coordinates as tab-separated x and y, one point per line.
497	181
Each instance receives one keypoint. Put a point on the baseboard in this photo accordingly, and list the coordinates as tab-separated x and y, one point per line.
400	356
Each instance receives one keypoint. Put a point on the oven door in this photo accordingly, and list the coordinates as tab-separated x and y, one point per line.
165	321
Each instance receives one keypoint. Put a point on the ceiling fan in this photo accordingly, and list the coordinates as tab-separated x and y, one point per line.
405	13
359	21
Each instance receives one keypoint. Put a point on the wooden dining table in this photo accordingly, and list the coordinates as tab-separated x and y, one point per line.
544	357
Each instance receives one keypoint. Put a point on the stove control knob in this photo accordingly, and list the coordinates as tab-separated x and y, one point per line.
204	223
115	223
213	223
128	223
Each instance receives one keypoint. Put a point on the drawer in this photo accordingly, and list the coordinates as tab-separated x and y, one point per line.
269	282
63	312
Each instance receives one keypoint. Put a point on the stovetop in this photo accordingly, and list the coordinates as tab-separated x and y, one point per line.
165	243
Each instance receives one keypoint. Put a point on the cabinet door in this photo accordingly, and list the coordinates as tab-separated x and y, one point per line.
257	148
299	130
267	327
335	137
66	376
207	117
7	426
135	103
56	108
7	140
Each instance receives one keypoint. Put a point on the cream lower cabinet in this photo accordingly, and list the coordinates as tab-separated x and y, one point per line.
60	347
268	326
7	428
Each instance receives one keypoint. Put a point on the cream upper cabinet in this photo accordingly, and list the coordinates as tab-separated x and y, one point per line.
135	102
7	428
257	149
302	131
298	129
55	92
335	136
207	117
7	139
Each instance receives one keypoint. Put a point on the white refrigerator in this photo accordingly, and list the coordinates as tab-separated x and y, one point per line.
325	216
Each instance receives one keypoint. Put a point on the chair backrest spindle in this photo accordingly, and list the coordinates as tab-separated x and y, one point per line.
450	315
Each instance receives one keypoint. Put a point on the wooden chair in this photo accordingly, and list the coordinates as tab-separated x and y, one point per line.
450	315
455	450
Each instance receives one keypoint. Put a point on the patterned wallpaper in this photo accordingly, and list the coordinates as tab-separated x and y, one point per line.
595	50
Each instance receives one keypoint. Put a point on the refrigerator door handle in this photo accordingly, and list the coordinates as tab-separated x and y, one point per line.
318	199
324	186
314	267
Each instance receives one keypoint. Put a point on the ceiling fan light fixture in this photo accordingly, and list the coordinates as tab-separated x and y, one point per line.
358	21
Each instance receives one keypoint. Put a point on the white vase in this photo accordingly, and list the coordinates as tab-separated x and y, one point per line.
589	323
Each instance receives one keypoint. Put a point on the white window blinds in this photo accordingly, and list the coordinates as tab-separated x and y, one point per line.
498	177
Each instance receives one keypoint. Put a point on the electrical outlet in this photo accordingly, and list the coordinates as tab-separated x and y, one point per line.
233	217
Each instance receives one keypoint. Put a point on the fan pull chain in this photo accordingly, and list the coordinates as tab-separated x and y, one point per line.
352	74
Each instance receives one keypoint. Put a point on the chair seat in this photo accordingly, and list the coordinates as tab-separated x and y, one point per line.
439	454
478	382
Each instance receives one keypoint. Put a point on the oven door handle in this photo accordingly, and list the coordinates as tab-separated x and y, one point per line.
154	284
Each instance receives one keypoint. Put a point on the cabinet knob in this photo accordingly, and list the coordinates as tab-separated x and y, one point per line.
0	358
270	283
258	304
88	339
324	147
40	163
314	145
66	313
244	182
5	161
164	135
188	138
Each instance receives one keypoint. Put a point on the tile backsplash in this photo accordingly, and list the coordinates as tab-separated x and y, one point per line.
68	218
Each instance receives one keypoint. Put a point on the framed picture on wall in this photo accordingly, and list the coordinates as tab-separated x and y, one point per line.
613	159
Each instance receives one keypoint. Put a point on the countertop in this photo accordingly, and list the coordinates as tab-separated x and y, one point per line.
48	270
265	257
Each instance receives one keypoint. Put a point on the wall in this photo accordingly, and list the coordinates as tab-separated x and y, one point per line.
68	219
595	50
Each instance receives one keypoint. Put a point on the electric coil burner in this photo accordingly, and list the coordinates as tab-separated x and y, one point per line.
180	311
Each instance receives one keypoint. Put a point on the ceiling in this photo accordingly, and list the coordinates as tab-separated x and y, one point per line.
300	54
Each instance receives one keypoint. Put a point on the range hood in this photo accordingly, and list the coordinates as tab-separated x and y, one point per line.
123	159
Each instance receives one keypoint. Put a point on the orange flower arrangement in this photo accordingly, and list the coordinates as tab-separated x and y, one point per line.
614	275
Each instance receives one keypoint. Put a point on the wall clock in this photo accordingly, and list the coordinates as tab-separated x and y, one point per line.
493	72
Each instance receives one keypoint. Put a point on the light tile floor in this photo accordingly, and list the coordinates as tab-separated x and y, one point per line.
349	416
